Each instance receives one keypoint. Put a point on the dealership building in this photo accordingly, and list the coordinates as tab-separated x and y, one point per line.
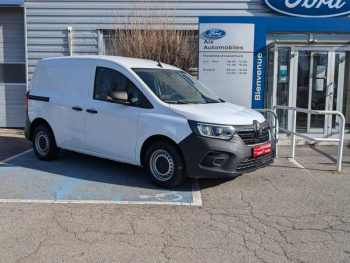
256	53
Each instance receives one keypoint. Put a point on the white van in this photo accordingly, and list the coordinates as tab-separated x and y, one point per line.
144	113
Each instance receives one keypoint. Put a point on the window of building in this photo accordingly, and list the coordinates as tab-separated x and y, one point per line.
12	73
287	37
307	38
110	47
341	101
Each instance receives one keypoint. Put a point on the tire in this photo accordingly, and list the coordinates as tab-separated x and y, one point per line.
165	165
44	143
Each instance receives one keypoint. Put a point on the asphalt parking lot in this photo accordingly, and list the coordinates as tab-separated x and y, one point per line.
57	212
77	178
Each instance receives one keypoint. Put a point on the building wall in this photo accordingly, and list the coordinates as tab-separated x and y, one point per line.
47	21
12	67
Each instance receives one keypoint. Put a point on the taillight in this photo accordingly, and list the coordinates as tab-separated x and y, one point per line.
26	101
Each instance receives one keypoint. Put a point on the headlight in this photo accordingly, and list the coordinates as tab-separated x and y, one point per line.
222	132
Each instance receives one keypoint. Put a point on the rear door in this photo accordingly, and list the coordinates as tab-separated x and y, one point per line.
111	128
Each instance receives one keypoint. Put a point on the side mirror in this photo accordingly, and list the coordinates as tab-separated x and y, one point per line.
118	97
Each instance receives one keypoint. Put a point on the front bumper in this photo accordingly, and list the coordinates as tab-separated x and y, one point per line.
214	158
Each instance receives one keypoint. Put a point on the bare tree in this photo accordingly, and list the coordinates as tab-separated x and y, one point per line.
151	32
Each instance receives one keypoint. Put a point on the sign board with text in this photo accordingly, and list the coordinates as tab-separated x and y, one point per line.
232	55
226	61
310	8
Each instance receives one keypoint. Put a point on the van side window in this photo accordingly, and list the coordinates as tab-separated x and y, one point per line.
111	80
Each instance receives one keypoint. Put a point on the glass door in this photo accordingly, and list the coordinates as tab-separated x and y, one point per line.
312	88
270	73
283	83
278	81
315	78
341	96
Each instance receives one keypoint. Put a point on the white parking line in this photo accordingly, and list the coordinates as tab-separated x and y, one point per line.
16	156
104	202
196	195
298	164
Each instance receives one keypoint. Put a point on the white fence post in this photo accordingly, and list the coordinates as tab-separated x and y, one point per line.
292	150
341	142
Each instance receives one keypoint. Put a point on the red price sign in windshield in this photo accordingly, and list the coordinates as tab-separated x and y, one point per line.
261	150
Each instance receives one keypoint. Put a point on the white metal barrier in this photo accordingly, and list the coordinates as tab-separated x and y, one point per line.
275	126
293	132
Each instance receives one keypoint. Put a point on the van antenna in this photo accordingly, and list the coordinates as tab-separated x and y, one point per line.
157	60
159	65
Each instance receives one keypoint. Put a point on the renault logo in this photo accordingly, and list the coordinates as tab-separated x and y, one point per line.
257	129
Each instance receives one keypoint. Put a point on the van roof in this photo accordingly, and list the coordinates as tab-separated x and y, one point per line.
122	61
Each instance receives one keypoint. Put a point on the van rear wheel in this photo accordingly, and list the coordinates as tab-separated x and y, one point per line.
44	143
165	165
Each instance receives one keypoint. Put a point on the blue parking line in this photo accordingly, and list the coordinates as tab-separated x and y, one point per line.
79	177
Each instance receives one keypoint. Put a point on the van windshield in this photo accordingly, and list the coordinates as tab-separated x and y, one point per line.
178	87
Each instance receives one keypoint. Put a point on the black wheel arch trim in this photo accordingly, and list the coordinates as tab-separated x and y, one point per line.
152	139
35	123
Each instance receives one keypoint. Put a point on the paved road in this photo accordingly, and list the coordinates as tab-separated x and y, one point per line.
279	214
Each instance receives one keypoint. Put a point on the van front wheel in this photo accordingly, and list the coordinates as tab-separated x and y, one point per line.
165	165
44	143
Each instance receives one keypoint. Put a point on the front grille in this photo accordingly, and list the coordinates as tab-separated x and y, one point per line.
248	164
250	136
264	135
252	163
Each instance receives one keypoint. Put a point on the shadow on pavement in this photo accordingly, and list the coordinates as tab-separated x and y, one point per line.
86	168
214	182
330	157
12	145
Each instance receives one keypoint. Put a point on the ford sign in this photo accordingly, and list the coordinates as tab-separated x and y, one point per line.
310	8
215	33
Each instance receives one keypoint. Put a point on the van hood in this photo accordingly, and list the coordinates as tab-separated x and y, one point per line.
218	113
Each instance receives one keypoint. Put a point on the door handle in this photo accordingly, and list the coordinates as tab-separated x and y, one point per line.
77	108
93	111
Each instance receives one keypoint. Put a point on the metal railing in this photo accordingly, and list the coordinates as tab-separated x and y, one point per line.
293	132
275	126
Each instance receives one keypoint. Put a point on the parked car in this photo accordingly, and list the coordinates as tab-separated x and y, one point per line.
144	113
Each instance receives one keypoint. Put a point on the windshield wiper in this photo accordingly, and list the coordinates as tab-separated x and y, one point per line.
182	102
177	101
207	102
213	102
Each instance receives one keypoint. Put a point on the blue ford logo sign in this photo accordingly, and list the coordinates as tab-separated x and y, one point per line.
310	8
215	33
